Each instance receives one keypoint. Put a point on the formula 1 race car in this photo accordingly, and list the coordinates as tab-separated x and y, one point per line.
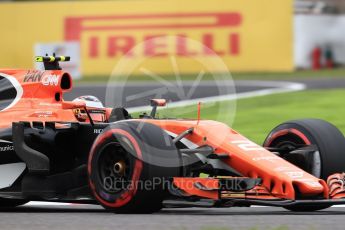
81	152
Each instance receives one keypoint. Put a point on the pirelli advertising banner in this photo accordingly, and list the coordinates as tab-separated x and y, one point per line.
247	35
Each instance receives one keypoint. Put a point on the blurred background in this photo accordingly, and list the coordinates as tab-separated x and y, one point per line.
263	43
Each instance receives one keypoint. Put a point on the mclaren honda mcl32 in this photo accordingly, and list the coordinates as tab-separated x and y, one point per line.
81	152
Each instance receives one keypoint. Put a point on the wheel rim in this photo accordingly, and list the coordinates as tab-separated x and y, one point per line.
114	168
292	142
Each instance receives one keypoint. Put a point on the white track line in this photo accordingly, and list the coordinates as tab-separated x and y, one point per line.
282	87
41	203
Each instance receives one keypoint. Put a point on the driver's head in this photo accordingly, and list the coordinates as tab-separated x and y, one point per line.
94	106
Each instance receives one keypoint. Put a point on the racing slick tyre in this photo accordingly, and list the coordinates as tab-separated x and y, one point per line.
11	203
328	151
129	167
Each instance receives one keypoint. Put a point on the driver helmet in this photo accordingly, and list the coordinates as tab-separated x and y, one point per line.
94	106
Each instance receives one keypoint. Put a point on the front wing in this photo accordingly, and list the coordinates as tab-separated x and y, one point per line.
240	191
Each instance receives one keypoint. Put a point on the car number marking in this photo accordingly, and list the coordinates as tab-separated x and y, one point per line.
247	145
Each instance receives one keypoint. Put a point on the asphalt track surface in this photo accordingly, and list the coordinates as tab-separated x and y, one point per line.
146	91
39	216
138	94
87	217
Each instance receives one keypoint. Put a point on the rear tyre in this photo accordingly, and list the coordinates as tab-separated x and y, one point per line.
329	141
129	169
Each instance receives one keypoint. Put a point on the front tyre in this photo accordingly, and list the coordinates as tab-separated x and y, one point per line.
328	157
129	166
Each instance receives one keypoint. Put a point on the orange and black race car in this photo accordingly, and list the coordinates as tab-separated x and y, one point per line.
81	152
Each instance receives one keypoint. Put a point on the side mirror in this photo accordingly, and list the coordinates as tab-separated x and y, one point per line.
73	105
155	103
158	102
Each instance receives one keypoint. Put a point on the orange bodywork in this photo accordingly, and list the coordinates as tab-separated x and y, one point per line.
38	92
279	176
